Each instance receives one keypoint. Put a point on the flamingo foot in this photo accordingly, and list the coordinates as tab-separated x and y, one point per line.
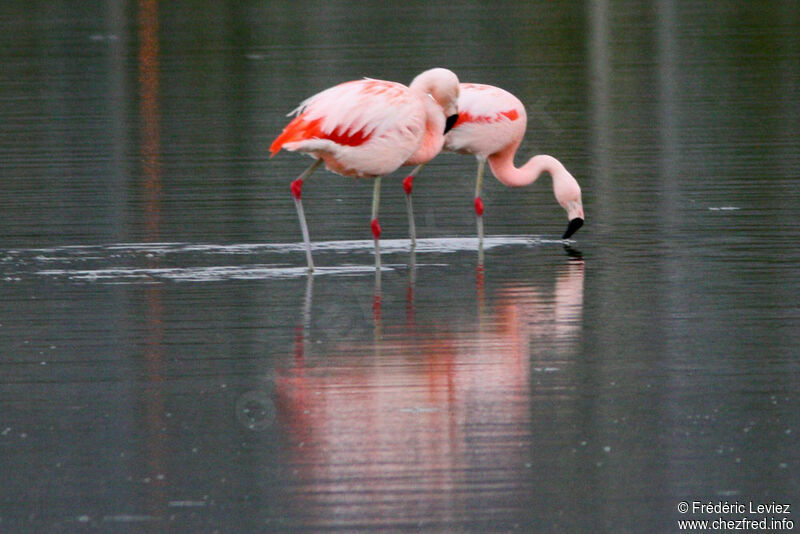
297	188
478	206
408	184
376	228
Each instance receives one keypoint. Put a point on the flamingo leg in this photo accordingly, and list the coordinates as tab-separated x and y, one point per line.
479	201
297	190
376	227
408	186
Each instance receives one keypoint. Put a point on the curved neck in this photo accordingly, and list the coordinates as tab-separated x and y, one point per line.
502	165
433	138
565	186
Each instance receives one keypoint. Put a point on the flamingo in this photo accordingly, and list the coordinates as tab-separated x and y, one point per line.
368	128
491	124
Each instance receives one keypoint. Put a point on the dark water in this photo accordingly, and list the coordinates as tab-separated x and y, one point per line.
167	365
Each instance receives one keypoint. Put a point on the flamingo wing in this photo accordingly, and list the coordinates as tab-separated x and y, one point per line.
364	127
490	119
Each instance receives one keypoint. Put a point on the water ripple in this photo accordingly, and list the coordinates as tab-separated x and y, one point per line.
127	263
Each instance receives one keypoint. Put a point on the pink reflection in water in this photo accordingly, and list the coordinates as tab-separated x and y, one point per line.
430	423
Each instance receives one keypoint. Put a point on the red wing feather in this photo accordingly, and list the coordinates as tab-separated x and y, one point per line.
301	129
466	116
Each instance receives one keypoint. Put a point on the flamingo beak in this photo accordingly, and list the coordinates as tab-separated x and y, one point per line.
450	122
574	226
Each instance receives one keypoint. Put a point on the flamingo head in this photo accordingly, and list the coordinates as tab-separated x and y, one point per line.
442	85
568	195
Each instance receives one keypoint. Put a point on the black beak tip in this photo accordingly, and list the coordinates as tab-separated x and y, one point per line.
574	225
450	122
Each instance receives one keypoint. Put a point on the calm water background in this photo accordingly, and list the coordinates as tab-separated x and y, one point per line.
165	364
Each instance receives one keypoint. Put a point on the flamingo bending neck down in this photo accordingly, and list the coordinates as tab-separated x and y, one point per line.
490	126
368	128
565	187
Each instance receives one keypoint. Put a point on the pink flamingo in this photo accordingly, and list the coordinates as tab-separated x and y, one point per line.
368	128
491	124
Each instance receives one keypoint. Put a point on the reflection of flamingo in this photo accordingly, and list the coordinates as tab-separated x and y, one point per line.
417	424
368	128
491	125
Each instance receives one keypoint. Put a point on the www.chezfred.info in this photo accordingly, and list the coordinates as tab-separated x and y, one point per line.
736	516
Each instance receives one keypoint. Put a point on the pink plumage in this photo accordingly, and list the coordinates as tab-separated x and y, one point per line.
368	128
364	128
490	120
491	126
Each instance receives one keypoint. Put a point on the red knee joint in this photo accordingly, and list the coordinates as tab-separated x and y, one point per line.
376	228
297	188
408	184
479	206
